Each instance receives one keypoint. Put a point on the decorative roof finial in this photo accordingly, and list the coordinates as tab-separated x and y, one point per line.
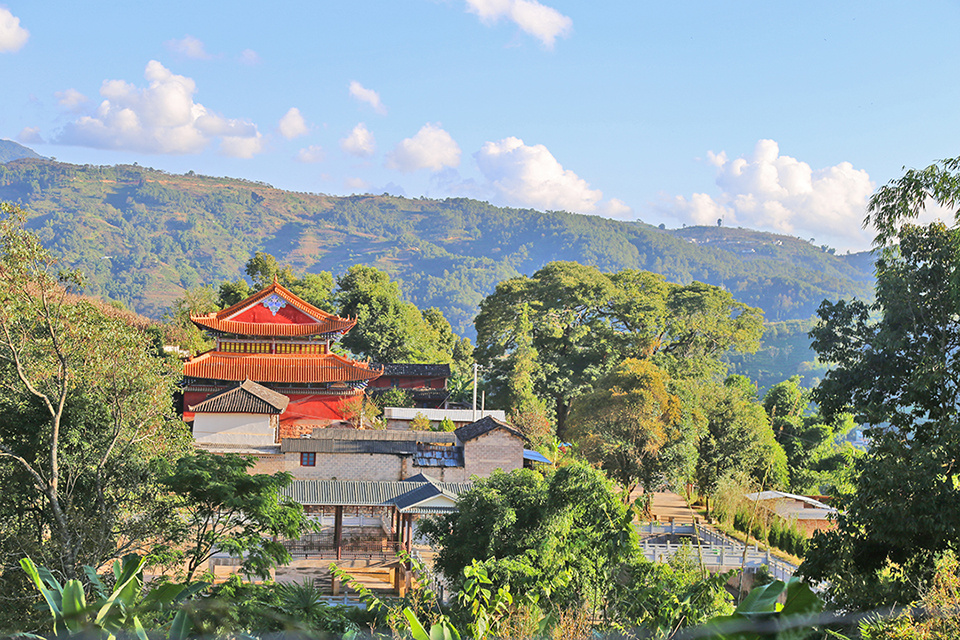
274	278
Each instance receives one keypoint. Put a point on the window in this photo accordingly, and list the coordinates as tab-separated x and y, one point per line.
308	459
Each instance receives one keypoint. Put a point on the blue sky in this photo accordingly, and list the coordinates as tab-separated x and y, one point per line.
770	115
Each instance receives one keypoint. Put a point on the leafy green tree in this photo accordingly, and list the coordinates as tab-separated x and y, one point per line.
222	507
394	397
897	369
626	422
390	329
736	436
196	301
86	407
527	412
263	269
560	538
585	322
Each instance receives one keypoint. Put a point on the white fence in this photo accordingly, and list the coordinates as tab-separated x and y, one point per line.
717	551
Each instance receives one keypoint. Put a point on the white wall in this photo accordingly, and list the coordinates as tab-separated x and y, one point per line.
233	428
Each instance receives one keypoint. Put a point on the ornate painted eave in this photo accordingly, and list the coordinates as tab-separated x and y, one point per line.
276	318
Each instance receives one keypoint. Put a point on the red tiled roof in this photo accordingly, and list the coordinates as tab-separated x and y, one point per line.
266	368
313	321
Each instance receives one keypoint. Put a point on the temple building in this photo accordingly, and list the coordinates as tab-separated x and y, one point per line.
283	343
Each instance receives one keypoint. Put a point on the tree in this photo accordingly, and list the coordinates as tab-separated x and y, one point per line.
626	422
390	329
736	436
85	408
560	538
585	322
897	369
223	507
527	412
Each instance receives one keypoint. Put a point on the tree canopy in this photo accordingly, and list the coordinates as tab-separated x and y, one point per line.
585	322
897	369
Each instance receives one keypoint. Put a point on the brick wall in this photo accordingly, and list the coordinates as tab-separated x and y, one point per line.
345	466
268	465
496	449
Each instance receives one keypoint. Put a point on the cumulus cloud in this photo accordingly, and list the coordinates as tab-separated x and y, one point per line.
12	35
358	185
249	57
779	193
542	22
310	154
161	118
188	47
432	148
30	135
360	142
292	125
530	176
70	99
616	208
368	96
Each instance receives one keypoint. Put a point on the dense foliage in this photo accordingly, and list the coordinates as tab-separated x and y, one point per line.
897	368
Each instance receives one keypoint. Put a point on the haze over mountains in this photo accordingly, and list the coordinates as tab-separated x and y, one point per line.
141	236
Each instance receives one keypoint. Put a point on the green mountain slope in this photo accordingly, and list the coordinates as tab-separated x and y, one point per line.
10	150
142	235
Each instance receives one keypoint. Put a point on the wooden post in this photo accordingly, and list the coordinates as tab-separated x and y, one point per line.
338	529
409	531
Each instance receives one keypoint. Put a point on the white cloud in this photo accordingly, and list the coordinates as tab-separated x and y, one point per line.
530	176
432	148
358	185
30	135
310	154
242	146
773	192
369	96
542	22
249	57
616	208
161	118
360	142
70	99
292	124
12	35
189	47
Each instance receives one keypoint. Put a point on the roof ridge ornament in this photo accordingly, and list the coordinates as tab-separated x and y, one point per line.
274	303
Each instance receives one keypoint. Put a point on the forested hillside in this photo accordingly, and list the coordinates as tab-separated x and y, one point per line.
141	236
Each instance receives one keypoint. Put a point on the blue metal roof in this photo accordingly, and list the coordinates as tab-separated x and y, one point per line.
535	456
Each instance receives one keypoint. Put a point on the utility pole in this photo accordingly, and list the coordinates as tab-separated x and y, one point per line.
476	367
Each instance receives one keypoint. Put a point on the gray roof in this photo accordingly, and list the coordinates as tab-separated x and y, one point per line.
415	370
482	426
244	397
383	447
384	434
358	493
422	493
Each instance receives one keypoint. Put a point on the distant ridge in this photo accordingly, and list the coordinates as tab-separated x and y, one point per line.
141	236
10	150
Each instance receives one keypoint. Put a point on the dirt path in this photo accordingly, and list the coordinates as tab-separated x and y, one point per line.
667	504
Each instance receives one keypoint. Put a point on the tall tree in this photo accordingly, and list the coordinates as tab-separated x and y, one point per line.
585	322
898	369
84	409
390	329
626	423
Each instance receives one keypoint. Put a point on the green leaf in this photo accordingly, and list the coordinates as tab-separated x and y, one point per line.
416	629
181	626
74	605
52	599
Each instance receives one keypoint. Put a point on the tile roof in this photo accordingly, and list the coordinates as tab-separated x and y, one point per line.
359	493
245	397
269	367
416	370
384	434
324	322
485	425
394	447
